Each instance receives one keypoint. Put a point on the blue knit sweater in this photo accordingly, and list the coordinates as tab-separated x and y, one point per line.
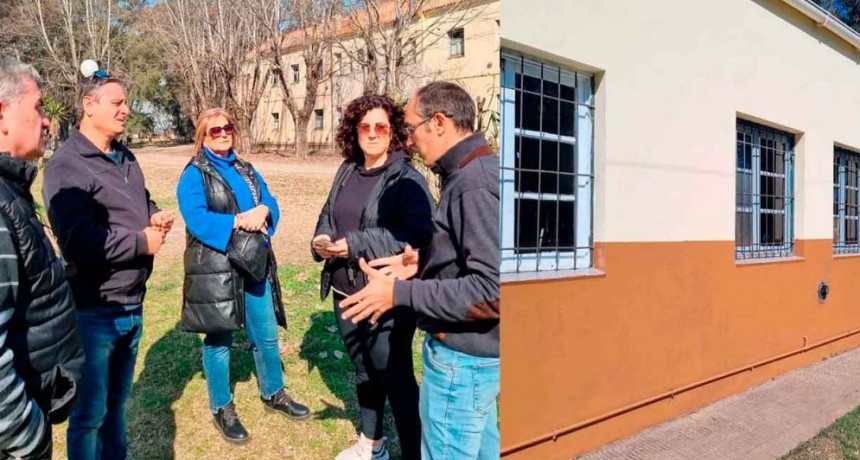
212	228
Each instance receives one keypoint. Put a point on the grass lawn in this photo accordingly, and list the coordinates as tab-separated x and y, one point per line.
838	441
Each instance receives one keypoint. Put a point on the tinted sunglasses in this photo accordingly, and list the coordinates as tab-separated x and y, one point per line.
379	129
216	131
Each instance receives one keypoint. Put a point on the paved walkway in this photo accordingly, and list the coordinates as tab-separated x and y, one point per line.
765	422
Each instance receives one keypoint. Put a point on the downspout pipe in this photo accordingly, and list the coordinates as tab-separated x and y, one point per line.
825	19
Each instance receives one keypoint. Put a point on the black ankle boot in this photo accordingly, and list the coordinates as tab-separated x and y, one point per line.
229	426
283	403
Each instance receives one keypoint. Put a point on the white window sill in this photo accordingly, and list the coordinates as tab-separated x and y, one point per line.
768	260
524	277
847	256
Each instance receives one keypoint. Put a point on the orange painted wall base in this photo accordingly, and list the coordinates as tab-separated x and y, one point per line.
670	328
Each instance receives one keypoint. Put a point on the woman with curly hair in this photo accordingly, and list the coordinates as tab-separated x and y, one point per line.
378	204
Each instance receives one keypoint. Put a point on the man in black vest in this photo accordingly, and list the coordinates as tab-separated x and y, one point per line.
40	356
456	291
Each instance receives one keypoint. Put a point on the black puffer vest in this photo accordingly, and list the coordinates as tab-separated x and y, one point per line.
211	283
42	332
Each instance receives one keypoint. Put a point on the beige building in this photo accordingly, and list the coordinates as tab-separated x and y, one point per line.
460	43
679	183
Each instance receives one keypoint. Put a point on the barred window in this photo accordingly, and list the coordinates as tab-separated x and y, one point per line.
846	196
546	166
456	43
318	119
764	217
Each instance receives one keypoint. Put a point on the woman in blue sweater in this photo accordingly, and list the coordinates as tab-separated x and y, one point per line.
219	197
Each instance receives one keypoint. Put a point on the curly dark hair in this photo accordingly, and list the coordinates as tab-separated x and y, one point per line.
347	133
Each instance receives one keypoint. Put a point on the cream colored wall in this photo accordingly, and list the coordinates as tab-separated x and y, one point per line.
478	71
273	101
673	77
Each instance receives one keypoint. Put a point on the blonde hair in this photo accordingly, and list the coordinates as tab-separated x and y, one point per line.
202	127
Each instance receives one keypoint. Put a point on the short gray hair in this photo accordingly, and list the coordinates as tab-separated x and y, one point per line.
449	99
13	76
93	86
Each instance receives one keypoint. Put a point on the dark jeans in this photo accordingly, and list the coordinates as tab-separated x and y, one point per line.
382	355
97	426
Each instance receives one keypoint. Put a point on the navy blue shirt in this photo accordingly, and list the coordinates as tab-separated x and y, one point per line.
98	211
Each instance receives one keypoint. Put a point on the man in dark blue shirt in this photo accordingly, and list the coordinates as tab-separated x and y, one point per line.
109	230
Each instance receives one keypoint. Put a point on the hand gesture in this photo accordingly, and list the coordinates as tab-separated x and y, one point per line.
163	221
400	267
371	302
154	239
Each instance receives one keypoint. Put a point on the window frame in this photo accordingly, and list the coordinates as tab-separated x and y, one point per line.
319	119
517	259
841	159
756	249
457	38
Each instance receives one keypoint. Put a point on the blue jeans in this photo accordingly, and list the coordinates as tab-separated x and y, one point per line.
97	426
458	404
262	331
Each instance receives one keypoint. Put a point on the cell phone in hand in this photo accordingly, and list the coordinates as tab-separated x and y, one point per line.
322	242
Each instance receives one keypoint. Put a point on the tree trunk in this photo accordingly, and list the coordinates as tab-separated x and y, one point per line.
302	136
244	147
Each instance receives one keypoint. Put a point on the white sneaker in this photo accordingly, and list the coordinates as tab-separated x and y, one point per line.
364	450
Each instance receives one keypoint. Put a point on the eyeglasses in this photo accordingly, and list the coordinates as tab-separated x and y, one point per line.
216	131
378	128
410	130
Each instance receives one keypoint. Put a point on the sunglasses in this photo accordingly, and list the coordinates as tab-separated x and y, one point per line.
379	129
216	131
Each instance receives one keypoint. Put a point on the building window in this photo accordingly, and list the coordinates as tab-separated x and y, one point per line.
547	119
846	196
274	79
456	43
318	119
338	64
276	121
764	217
295	69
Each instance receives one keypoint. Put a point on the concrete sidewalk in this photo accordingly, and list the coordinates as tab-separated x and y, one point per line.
764	422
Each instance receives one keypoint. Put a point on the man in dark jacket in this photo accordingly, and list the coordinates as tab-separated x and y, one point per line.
40	356
456	292
108	230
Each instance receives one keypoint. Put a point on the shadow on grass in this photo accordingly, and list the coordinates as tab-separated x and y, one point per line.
318	347
169	366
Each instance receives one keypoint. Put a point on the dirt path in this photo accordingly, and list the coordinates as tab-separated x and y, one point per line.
178	156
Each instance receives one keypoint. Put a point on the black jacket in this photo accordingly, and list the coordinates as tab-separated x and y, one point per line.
213	295
456	293
98	212
39	346
398	212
